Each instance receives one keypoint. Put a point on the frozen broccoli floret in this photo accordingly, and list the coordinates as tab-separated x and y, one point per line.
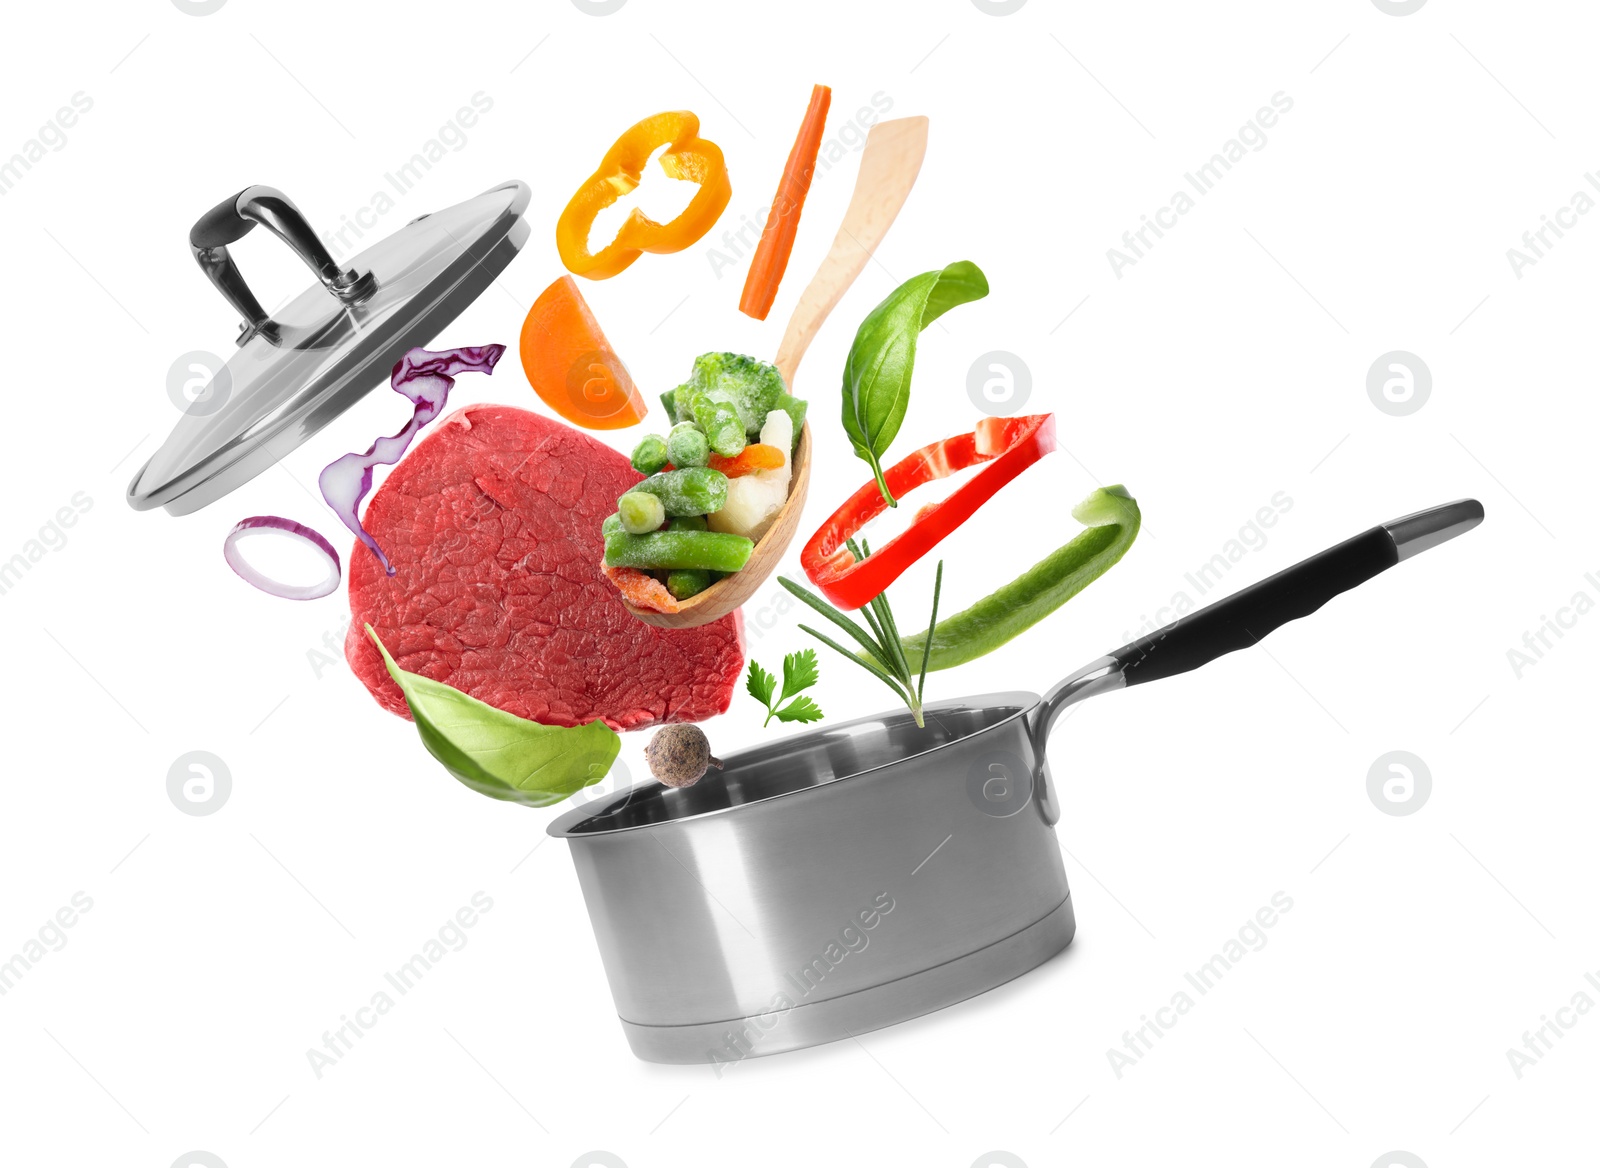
753	388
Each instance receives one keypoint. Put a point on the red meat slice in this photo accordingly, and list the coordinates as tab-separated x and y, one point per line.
493	526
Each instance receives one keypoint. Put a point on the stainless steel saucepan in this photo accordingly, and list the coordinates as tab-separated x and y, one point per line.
859	875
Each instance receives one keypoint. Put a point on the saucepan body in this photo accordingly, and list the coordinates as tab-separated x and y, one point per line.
863	874
825	885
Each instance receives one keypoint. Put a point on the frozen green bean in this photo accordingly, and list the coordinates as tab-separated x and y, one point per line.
719	420
686	582
672	550
691	490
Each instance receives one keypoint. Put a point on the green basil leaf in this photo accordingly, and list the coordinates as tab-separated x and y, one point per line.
877	373
960	283
499	754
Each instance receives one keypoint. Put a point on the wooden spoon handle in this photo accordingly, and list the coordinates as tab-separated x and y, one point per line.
889	165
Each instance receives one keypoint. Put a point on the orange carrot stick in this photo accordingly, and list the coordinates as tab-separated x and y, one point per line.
754	457
777	239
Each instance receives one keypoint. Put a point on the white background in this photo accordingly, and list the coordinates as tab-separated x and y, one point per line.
1227	365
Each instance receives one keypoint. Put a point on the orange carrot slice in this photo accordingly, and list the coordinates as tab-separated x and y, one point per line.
572	367
641	589
756	456
777	239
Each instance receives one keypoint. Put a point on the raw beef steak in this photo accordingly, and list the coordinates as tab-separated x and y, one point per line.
493	526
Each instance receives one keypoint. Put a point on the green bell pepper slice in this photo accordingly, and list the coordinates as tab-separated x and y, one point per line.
1112	519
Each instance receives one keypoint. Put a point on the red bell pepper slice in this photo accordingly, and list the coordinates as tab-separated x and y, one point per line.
1007	447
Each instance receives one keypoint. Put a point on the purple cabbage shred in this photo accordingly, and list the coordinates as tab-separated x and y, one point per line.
424	378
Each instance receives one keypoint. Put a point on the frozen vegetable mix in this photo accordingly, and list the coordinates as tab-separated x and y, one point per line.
715	481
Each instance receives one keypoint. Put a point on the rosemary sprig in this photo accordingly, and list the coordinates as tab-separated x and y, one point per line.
938	579
884	656
879	653
859	660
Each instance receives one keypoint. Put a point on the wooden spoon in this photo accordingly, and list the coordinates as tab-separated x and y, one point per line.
889	165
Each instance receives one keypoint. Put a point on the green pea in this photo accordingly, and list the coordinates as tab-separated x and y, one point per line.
650	455
641	512
686	446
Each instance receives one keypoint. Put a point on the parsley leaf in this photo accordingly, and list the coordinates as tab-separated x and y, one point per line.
760	685
802	709
799	672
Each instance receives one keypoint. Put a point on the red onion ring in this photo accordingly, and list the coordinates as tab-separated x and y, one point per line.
283	527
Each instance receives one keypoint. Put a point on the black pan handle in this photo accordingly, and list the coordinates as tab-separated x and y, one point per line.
234	218
1240	620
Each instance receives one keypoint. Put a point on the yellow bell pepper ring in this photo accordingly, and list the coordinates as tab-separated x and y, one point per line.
688	157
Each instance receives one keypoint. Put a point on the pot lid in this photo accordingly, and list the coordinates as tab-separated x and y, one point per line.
298	369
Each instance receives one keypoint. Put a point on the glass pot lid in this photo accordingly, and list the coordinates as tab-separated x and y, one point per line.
298	369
